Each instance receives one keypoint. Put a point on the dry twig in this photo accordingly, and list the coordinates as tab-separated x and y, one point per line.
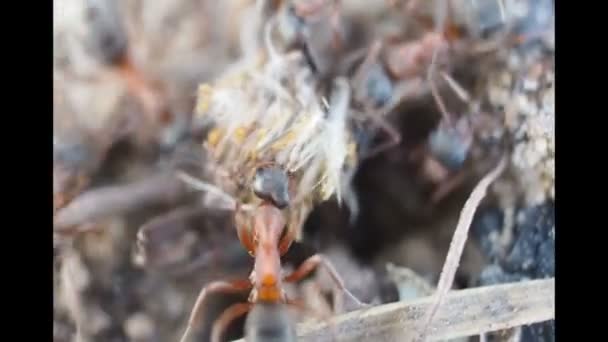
464	313
458	241
119	199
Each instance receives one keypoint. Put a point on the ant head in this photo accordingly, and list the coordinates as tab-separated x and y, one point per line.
269	322
271	183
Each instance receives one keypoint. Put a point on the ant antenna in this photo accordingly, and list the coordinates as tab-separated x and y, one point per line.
207	187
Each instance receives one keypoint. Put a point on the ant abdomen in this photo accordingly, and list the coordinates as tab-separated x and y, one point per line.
449	148
268	322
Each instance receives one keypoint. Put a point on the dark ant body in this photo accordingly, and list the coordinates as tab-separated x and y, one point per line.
269	323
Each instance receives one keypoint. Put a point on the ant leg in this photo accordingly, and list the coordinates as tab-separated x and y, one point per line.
200	185
230	314
336	21
214	287
151	234
368	61
301	306
243	232
446	187
309	8
405	90
140	87
313	7
441	15
290	235
412	6
394	137
311	264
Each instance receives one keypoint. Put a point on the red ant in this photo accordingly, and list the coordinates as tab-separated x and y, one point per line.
109	43
267	236
392	72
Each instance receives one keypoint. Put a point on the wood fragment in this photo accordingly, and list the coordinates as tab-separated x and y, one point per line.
230	203
118	199
464	313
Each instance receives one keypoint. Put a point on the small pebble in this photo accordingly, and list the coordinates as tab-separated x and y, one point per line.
530	85
526	107
139	327
78	273
506	79
540	146
97	320
174	302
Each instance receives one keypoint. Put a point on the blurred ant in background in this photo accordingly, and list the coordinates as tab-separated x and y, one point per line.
394	70
108	42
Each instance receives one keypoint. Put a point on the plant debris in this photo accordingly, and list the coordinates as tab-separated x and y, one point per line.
465	313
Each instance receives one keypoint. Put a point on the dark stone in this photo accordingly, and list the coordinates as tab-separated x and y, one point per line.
531	256
487	224
533	250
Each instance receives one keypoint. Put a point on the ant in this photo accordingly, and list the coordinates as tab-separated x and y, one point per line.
382	85
448	146
394	70
295	15
109	42
267	236
303	25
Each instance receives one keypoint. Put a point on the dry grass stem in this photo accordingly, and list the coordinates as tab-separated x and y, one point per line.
464	313
117	200
459	239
